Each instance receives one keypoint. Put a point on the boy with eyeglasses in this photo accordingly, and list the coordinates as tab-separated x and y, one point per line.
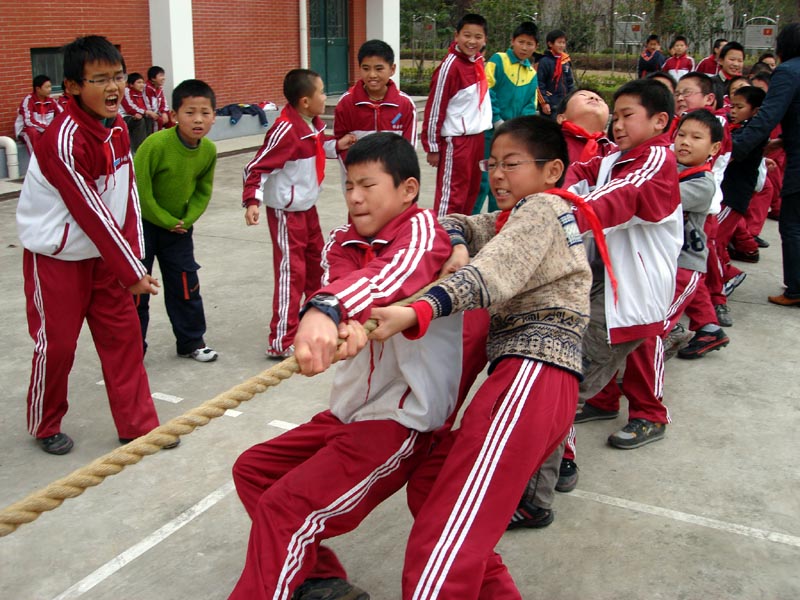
78	220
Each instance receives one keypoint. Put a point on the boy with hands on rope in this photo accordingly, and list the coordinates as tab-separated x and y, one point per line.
322	478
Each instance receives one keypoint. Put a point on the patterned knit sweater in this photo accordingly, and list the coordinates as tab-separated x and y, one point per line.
174	181
533	277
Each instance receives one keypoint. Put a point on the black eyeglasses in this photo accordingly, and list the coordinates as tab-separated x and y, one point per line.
487	165
103	81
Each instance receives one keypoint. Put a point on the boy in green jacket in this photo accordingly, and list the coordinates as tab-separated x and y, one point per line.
174	176
511	76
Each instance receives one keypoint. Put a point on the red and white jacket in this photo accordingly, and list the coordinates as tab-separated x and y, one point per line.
459	102
637	200
79	198
708	65
400	379
133	103
357	114
578	143
155	99
678	66
37	113
287	171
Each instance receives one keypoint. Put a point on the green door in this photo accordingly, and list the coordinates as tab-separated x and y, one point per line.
328	28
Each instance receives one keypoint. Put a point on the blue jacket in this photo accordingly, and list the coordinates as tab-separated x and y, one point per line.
782	105
554	91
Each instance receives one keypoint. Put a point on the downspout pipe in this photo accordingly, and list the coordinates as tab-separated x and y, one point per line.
12	160
303	14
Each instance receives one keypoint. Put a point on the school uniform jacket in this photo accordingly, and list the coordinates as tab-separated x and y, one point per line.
400	380
678	66
459	102
576	143
636	197
133	103
555	90
79	198
512	86
285	173
36	113
155	99
357	114
708	65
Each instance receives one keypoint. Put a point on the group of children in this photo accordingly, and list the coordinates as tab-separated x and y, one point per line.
602	239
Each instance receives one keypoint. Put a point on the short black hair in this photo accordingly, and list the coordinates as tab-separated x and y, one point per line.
766	55
552	36
541	137
718	88
154	71
377	48
730	46
703	81
652	38
765	77
753	95
90	48
528	28
665	76
39	81
787	44
473	19
393	152
757	68
562	106
733	80
299	84
192	88
718	43
134	77
679	38
653	96
707	118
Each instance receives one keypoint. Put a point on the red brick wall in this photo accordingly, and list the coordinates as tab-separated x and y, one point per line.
48	24
358	35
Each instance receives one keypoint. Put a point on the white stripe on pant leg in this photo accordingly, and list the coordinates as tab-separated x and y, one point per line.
284	280
469	501
447	178
39	374
315	522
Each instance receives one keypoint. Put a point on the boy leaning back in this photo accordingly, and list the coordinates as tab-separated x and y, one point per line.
322	478
458	111
374	103
78	220
175	174
286	175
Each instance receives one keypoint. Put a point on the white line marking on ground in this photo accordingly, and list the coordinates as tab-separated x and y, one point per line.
232	413
166	397
759	534
282	424
135	551
101	382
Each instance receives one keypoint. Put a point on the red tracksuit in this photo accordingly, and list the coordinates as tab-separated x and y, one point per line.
286	175
157	102
458	111
78	219
33	117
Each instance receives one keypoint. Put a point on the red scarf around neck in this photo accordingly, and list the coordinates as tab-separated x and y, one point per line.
590	149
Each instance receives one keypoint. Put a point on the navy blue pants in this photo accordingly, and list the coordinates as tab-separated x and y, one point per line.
180	286
789	227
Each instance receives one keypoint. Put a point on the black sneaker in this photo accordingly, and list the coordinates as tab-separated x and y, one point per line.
328	589
592	413
59	443
703	342
724	318
530	516
760	242
567	476
636	433
174	444
748	257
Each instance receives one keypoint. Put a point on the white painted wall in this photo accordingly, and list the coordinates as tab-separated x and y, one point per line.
172	41
383	23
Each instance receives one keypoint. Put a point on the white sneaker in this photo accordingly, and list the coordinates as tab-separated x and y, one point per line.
205	354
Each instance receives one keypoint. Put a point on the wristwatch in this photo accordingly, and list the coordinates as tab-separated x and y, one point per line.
329	304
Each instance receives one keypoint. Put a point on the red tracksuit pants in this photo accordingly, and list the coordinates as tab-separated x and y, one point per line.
520	414
643	381
458	177
60	294
296	256
315	482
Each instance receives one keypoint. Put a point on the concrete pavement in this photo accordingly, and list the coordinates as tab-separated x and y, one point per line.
712	511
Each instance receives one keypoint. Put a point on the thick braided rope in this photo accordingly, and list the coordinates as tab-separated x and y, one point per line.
73	485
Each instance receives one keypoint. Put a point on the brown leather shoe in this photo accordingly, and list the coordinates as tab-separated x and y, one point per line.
784	301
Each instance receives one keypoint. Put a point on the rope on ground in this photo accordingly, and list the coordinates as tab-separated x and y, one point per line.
74	484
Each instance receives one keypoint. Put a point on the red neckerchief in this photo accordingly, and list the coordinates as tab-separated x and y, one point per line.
706	166
480	74
590	149
559	66
597	229
502	218
647	54
320	164
733	126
